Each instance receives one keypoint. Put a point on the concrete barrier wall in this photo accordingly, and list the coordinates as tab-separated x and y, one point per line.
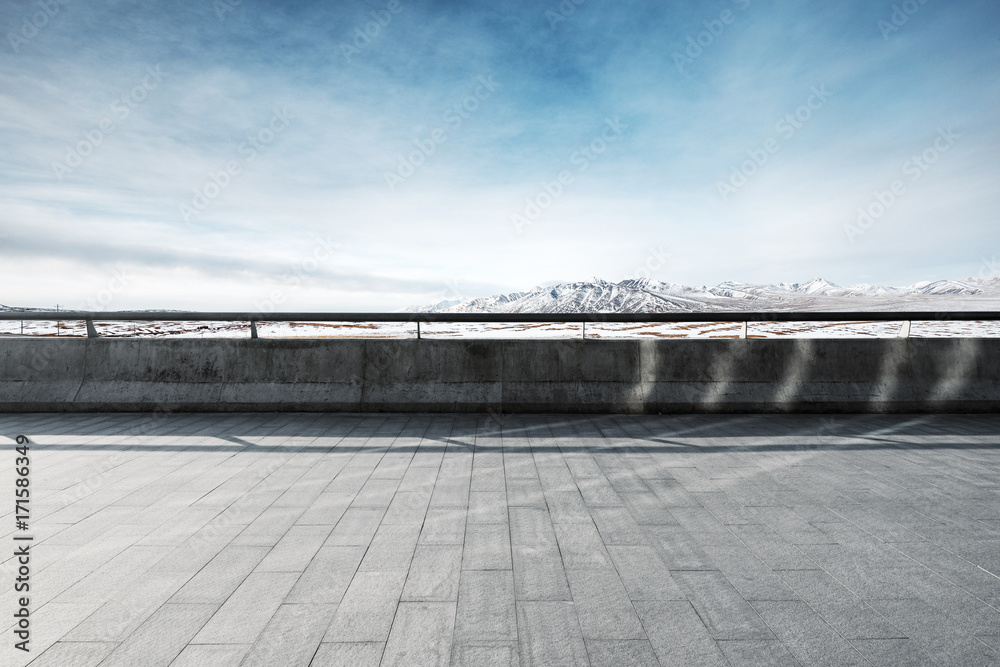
504	376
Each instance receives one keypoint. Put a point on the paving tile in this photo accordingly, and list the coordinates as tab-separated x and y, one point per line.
434	573
488	507
356	528
326	510
391	548
376	493
364	654
556	479
757	653
196	551
646	507
952	567
292	636
269	527
418	480
678	635
598	492
421	634
876	524
365	614
892	652
753	579
726	509
969	651
963	609
848	614
917	618
531	527
671	493
539	573
726	614
677	548
615	652
295	550
791	526
582	465
327	577
487	479
776	552
248	610
496	654
567	507
74	654
451	492
216	581
704	527
626	480
810	639
603	606
120	616
444	526
525	492
216	655
162	637
486	611
115	576
487	547
643	573
617	526
187	522
549	634
407	507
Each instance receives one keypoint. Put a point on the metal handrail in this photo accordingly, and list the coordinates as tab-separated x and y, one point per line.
513	318
510	318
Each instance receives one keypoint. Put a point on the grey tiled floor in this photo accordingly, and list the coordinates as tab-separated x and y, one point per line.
603	540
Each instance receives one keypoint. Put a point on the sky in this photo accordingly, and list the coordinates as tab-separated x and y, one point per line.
372	156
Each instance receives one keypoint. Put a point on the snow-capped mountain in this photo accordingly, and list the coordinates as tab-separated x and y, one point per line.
652	296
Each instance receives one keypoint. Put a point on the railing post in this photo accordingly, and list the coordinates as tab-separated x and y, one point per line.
744	329
904	331
584	330
91	330
253	330
418	329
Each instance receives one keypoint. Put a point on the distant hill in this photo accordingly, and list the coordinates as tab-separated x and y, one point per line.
652	296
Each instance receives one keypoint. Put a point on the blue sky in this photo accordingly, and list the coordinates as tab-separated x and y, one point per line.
255	155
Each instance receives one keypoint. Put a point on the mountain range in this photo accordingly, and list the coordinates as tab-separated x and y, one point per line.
652	296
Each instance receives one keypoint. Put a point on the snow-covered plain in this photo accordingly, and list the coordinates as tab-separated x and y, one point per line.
552	330
630	296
